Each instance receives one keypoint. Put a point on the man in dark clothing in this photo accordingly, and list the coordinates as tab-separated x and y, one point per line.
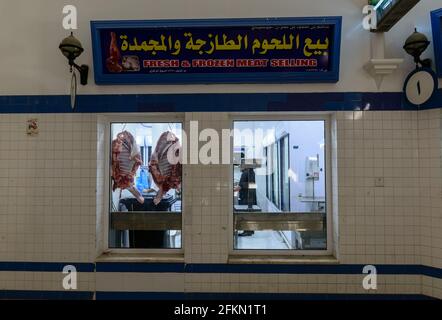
247	195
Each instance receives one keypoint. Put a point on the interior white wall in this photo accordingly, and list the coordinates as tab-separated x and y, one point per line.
307	136
31	32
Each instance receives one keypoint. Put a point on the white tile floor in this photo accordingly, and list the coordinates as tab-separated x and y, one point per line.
262	240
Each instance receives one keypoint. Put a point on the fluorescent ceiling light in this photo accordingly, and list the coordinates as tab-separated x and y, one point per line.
383	3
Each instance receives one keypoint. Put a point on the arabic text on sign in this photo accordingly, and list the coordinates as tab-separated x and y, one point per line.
216	43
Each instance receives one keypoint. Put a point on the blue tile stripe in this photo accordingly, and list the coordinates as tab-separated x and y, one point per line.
46	295
269	268
225	102
304	269
112	295
390	269
210	268
432	272
103	295
45	266
100	295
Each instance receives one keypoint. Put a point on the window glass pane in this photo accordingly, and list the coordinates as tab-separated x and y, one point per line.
279	192
285	182
276	175
145	190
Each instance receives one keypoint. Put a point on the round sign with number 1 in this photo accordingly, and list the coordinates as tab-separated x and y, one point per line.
420	86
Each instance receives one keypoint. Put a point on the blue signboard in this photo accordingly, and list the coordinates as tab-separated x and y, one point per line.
273	50
436	22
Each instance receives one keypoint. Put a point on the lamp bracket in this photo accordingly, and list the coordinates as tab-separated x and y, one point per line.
426	63
379	66
83	70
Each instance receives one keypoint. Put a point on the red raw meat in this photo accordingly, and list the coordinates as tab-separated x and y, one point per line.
113	61
126	159
166	174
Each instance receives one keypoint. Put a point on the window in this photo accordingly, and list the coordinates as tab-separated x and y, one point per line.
279	185
145	186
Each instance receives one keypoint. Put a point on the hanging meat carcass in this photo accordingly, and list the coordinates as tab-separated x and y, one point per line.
165	166
113	61
126	159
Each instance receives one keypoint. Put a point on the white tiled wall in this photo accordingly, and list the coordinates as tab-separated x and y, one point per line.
43	281
335	183
51	190
430	196
47	196
207	188
305	283
430	186
378	223
101	215
47	188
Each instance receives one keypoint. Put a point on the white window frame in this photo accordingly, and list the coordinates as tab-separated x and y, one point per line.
286	116
136	118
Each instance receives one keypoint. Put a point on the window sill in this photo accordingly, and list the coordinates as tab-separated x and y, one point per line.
245	259
141	257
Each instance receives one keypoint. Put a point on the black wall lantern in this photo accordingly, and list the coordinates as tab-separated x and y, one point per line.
72	49
415	45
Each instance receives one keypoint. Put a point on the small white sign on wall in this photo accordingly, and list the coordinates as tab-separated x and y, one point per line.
32	127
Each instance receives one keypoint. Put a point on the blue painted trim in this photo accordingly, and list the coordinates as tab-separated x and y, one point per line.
139	267
211	268
431	272
100	295
45	266
391	269
266	268
105	295
301	269
35	104
222	102
250	77
46	295
436	22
